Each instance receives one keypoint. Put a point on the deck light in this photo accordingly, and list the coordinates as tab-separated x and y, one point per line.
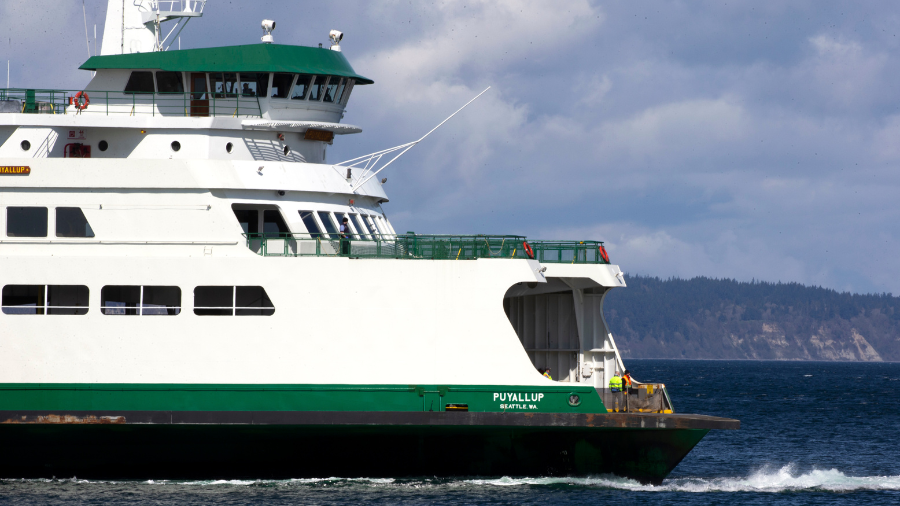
383	180
268	26
336	37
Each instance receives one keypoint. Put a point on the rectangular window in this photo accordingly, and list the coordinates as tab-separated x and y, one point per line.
281	85
311	226
232	300
301	87
140	300
359	226
318	88
249	220
332	89
70	222
60	299
254	84
273	224
169	82
328	224
26	221
252	301
140	82
224	85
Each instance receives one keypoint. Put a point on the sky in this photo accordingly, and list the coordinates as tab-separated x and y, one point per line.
738	139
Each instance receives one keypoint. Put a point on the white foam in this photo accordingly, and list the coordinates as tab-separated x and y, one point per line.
764	480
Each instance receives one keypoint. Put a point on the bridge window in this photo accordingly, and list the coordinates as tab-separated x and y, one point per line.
140	300
26	221
301	87
340	91
140	82
169	82
359	227
331	90
328	224
281	85
254	84
224	85
70	222
310	222
232	301
346	95
317	89
60	299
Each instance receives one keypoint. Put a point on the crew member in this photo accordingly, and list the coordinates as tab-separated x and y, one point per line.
547	374
615	387
345	236
626	381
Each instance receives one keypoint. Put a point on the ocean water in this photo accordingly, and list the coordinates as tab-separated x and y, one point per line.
812	433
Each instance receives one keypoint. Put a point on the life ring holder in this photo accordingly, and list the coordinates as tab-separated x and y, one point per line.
528	250
79	103
603	254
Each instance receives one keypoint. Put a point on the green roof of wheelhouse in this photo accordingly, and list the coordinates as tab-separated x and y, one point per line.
249	58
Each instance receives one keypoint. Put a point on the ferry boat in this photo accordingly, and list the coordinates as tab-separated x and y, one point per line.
178	299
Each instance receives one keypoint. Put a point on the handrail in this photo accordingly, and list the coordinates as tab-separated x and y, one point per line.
47	101
423	247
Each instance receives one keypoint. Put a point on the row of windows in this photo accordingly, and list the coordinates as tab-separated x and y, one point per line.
71	222
331	89
136	300
319	224
32	222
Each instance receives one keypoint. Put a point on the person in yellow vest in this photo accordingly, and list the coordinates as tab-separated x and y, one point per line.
546	374
615	387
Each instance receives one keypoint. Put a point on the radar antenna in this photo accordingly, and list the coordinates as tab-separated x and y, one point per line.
156	12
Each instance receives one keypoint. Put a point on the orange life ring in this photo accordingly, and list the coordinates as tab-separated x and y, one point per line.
528	250
79	104
603	254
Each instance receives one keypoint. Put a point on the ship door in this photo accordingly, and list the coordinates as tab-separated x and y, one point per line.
199	95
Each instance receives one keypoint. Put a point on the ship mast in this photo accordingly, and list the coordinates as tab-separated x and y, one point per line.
135	26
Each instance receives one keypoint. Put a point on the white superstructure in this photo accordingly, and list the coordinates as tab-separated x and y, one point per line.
185	177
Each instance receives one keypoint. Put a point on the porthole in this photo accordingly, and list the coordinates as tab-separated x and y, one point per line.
25	145
102	145
287	150
574	400
176	145
229	147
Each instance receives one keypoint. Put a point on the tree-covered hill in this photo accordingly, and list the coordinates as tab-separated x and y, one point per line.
727	319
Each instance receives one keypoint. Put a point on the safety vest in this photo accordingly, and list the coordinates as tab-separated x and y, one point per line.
615	384
547	375
627	381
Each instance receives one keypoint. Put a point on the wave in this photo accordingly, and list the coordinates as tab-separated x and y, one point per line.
763	480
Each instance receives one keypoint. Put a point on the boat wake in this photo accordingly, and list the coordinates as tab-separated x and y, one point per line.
766	479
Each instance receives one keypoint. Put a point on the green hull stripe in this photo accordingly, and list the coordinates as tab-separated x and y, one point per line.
223	397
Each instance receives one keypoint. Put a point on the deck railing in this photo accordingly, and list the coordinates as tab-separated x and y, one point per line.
35	101
425	247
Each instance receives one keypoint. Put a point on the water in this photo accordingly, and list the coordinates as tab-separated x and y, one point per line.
812	433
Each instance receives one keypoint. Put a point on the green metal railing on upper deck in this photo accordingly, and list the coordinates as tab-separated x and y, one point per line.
427	247
34	101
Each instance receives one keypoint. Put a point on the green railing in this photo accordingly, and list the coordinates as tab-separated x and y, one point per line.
34	101
426	247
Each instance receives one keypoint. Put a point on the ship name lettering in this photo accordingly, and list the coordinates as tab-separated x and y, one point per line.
520	397
21	170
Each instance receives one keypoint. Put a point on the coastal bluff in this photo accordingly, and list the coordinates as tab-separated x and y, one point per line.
705	318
